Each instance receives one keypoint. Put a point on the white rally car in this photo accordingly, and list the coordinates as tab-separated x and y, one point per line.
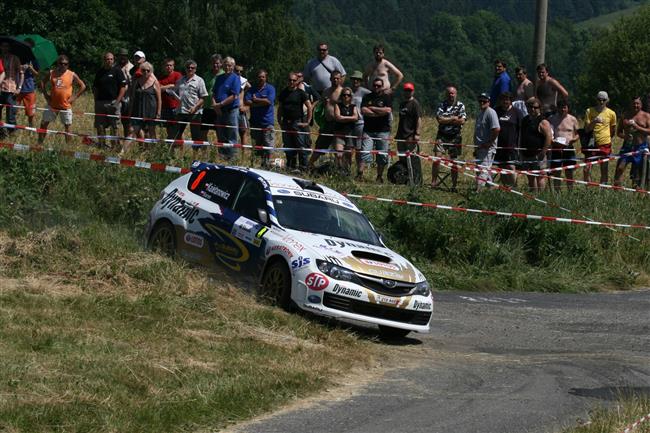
308	245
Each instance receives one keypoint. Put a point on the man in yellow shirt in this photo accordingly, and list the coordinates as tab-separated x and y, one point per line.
601	122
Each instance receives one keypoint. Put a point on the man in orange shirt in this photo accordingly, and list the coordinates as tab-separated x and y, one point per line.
61	96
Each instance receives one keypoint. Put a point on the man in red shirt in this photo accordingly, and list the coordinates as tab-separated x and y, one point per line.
169	103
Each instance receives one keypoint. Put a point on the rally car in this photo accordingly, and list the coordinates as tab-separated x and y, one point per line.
307	245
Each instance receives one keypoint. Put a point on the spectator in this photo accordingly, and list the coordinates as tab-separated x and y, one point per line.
329	99
314	97
318	70
451	117
61	96
410	121
634	129
548	90
358	92
501	83
225	100
536	136
190	92
27	95
125	66
345	115
170	103
382	68
565	134
601	122
138	59
294	123
525	90
109	87
486	135
261	99
243	108
509	123
146	104
10	85
376	108
209	116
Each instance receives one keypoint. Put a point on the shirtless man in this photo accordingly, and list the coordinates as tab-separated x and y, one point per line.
548	90
382	68
565	135
633	128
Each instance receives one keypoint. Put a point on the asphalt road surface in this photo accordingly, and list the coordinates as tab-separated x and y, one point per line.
495	363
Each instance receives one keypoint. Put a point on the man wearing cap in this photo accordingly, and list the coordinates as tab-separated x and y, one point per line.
319	69
601	122
486	135
139	58
410	121
451	117
376	108
382	68
358	92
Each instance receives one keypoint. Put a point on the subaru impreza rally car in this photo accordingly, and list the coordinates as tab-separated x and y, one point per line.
308	245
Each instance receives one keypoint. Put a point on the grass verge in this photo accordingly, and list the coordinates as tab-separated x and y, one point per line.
618	419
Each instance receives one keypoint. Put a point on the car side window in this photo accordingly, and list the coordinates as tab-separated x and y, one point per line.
250	199
219	186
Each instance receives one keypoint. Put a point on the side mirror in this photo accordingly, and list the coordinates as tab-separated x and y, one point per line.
263	216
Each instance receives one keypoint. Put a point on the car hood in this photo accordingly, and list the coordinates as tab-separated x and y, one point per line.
367	259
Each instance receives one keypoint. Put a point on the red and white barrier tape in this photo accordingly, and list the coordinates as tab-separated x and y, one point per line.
181	170
637	423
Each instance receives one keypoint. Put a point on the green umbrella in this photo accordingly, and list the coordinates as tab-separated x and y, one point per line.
44	50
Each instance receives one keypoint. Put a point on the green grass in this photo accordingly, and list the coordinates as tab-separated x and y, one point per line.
615	420
607	20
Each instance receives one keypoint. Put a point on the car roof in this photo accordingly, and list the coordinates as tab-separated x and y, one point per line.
281	184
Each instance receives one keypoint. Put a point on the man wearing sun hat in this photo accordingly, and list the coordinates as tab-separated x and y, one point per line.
486	135
601	122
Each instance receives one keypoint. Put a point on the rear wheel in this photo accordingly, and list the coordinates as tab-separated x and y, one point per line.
388	333
276	284
163	239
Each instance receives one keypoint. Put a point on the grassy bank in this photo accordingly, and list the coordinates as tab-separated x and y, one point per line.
616	420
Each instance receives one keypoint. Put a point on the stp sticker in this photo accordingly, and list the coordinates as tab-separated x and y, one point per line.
316	281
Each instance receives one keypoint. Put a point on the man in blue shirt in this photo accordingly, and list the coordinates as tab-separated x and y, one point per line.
261	98
225	101
501	83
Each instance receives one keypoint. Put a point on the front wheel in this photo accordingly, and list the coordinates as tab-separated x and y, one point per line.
389	333
276	284
163	239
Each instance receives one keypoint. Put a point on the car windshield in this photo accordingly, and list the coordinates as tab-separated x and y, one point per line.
316	216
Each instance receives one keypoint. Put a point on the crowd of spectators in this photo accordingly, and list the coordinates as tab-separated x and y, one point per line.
521	123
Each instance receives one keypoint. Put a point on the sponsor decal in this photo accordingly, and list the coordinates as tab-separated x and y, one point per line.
194	240
215	190
247	230
283	249
317	196
264	183
334	260
390	266
174	202
262	232
314	299
228	249
289	240
343	244
316	281
300	262
342	290
389	300
417	305
330	249
284	191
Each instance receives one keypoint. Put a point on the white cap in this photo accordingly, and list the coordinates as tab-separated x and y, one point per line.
139	54
602	95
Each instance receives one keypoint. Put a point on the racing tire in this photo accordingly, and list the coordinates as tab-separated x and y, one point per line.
389	333
276	284
163	239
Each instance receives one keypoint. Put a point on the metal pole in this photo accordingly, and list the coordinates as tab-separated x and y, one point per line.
644	172
539	44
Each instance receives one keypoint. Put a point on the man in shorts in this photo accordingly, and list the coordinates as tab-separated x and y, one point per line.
27	95
486	136
61	96
509	123
565	135
601	122
536	138
109	87
633	128
376	108
451	117
261	99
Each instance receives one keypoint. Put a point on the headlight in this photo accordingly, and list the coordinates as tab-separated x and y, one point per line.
336	272
422	288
